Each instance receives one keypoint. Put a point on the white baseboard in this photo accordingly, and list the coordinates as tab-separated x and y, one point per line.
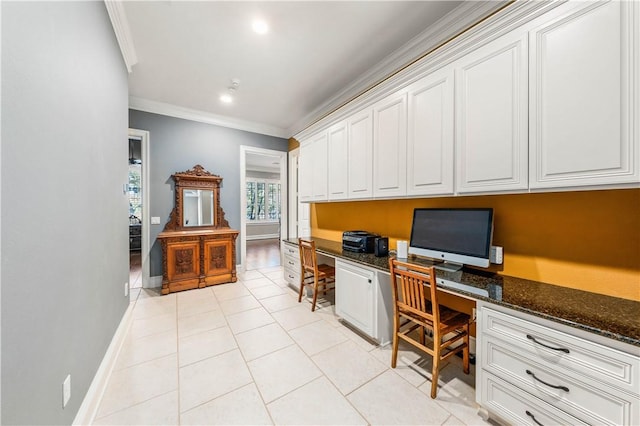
155	282
262	237
89	407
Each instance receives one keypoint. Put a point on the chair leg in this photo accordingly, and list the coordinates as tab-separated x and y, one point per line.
465	351
394	347
315	294
435	371
301	289
422	332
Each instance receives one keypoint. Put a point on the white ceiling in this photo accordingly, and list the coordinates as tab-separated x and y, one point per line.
315	56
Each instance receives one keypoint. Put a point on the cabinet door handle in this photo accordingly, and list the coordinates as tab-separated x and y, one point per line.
530	337
533	418
369	281
564	388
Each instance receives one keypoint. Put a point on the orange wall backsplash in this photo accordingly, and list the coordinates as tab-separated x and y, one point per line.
588	240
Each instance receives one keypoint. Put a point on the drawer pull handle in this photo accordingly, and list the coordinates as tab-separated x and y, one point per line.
564	388
291	263
533	418
530	337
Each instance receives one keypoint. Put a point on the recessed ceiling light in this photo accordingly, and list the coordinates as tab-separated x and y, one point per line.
226	98
260	26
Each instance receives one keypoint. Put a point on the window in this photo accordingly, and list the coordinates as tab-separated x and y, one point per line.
263	200
135	191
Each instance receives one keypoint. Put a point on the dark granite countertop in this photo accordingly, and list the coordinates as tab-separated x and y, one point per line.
607	316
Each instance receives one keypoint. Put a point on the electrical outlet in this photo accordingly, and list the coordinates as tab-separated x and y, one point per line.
66	391
495	255
126	289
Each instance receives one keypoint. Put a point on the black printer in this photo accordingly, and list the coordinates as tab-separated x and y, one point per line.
359	241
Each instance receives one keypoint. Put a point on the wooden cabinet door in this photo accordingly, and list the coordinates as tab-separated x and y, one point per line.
337	162
183	261
583	82
360	155
430	135
390	146
218	258
492	117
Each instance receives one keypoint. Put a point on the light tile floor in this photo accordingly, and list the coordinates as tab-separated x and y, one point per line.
249	353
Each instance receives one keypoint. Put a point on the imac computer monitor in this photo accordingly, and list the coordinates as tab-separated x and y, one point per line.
456	236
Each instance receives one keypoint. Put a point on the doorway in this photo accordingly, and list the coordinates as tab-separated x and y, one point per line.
138	152
263	202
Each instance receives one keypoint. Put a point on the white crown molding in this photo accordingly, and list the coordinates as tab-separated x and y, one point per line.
459	19
507	19
120	25
170	110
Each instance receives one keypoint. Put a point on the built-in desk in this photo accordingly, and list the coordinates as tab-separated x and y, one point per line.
545	354
607	316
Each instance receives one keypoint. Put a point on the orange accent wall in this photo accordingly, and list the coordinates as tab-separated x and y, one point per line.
588	240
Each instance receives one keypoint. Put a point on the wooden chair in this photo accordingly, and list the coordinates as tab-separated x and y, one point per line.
319	276
409	284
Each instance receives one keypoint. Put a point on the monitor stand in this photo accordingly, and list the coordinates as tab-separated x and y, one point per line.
449	266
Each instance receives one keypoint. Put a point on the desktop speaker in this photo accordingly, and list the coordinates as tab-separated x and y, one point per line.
381	246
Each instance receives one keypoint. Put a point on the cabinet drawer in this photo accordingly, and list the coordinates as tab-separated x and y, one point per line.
291	263
519	408
589	401
292	278
291	250
572	354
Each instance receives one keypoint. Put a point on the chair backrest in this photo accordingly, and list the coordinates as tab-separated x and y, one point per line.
308	261
409	282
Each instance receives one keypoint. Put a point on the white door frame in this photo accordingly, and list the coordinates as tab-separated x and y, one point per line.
143	135
282	156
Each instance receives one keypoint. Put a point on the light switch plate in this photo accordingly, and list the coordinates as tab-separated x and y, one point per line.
155	220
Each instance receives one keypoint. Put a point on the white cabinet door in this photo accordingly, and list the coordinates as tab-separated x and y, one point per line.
319	167
583	82
390	146
360	156
491	117
305	173
430	135
355	296
338	164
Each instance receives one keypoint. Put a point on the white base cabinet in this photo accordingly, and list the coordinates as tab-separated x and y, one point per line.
291	265
363	299
532	371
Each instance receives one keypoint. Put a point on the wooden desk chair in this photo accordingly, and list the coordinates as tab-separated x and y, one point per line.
320	276
409	283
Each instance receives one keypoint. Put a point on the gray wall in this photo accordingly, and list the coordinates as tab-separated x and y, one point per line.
64	214
177	145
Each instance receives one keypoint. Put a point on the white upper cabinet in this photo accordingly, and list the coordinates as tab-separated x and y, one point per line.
319	167
390	146
430	135
491	117
360	141
305	174
313	168
338	162
583	83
